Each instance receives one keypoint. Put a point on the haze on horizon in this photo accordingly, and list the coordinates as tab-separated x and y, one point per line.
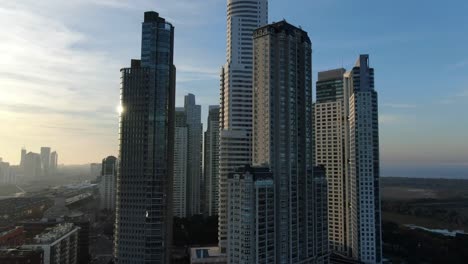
59	73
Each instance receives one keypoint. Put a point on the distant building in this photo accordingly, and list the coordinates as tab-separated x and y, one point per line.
7	175
95	169
59	243
12	237
53	162
23	157
107	185
211	171
194	154
251	216
32	166
45	159
21	256
207	255
179	187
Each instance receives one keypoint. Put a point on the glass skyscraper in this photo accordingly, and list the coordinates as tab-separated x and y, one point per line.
143	229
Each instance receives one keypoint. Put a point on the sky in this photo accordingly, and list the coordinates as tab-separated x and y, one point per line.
60	62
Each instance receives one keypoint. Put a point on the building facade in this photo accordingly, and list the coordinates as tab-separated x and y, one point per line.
251	216
329	131
21	256
194	154
211	171
282	134
235	117
143	228
180	163
362	152
59	243
107	186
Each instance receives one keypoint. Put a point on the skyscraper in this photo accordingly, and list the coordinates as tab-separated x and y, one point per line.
194	154
282	134
53	161
212	161
45	158
235	118
363	168
107	186
180	164
329	128
143	231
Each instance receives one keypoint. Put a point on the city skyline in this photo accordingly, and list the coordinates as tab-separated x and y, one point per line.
416	108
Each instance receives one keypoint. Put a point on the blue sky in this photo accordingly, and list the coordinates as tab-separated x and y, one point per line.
59	68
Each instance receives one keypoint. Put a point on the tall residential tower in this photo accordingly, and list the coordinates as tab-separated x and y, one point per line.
282	135
143	228
362	153
194	154
329	128
235	117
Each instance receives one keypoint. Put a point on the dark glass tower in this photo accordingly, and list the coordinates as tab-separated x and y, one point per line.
144	182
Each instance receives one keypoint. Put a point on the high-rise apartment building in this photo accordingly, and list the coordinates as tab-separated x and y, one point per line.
211	171
45	158
329	131
180	164
53	162
143	229
107	186
251	216
194	154
282	134
363	167
235	118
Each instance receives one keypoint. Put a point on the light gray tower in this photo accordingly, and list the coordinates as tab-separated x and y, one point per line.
143	228
45	159
282	134
211	171
194	154
362	153
180	164
329	128
243	17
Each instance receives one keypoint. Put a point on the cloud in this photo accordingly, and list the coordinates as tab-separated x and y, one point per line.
400	106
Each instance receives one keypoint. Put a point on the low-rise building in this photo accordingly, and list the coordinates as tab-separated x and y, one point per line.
21	256
207	255
12	237
59	243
